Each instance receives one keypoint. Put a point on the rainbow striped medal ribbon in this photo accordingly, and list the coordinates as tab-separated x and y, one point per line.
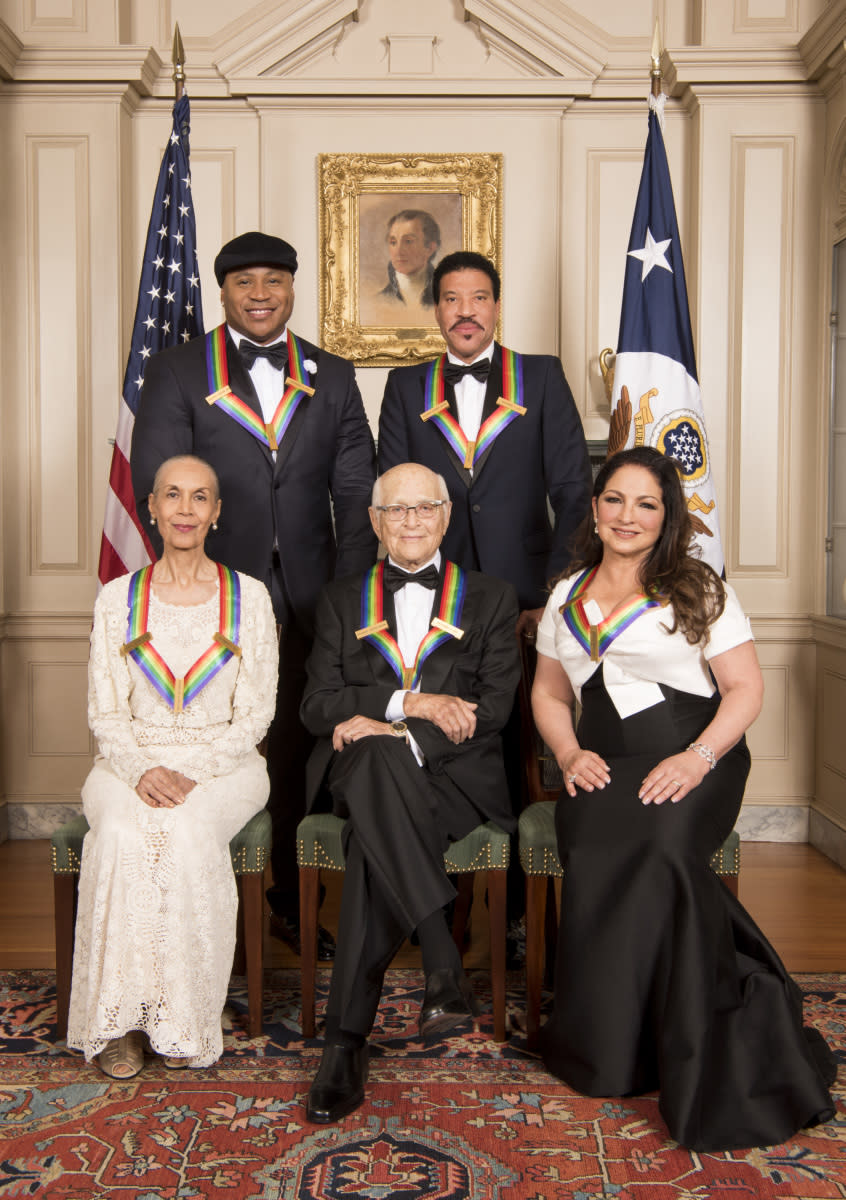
179	692
220	393
509	406
595	639
447	624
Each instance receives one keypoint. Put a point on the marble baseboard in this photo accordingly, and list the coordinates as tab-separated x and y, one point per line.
773	823
756	823
39	820
828	838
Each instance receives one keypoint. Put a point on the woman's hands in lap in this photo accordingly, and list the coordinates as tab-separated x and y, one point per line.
672	778
162	788
584	769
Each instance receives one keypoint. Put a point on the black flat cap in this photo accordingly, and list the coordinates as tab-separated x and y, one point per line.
253	250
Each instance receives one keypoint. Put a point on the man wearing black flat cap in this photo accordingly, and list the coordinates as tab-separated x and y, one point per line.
283	425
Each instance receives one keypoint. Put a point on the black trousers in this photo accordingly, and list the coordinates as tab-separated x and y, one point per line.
288	747
400	819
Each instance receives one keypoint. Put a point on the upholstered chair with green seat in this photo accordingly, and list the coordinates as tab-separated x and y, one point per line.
483	849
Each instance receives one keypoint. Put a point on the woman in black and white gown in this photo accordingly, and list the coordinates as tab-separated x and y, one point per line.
663	981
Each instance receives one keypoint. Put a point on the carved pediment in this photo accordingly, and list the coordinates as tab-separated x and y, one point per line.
393	43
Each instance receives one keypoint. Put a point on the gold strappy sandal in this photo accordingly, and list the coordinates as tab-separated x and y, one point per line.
175	1064
123	1057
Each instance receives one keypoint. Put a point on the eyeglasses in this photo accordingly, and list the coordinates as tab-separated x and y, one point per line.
426	510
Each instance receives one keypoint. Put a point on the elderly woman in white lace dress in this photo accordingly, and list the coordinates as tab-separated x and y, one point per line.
182	684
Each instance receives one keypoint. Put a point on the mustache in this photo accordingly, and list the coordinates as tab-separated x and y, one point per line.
464	321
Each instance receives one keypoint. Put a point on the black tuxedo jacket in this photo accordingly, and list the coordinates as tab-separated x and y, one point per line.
348	677
500	517
325	463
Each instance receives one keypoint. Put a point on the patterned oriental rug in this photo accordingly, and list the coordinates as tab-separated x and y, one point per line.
463	1120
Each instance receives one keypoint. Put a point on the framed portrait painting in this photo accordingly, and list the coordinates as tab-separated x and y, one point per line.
385	222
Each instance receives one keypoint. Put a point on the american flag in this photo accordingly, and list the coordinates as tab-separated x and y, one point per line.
656	400
169	310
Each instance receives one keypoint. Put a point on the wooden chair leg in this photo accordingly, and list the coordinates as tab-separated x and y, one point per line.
64	916
309	904
731	882
251	888
239	962
535	952
461	911
496	915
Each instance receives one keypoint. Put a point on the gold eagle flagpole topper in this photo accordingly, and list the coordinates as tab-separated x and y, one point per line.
621	417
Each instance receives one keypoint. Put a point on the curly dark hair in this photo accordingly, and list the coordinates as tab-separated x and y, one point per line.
670	570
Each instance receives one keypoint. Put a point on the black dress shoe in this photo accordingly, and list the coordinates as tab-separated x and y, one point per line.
338	1087
289	932
447	1002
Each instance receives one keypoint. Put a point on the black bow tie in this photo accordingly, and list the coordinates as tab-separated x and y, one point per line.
395	578
277	354
480	370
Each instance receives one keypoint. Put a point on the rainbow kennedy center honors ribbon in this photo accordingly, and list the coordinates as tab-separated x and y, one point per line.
220	393
179	692
445	625
595	639
509	407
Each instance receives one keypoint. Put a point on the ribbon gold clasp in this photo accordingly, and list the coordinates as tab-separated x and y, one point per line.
368	629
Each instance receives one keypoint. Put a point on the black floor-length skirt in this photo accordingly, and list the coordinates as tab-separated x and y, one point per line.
662	980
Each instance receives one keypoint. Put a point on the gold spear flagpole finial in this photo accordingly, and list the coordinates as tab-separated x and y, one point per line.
655	73
178	60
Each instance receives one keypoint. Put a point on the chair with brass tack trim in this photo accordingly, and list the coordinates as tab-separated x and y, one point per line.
249	851
538	845
486	848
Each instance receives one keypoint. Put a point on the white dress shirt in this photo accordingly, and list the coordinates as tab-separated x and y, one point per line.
470	396
413	607
268	380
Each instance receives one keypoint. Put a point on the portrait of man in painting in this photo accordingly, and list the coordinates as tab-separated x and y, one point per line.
401	237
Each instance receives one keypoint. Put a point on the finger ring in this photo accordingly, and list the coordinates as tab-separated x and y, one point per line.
571	778
677	784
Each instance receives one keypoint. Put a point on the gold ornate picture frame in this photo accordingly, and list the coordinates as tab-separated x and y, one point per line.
372	312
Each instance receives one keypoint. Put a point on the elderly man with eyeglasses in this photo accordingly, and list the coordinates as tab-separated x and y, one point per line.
410	681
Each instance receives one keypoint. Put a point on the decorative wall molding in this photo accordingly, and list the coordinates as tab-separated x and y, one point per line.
827	832
823	48
829	631
692	66
761	294
259	47
11	48
138	66
791	630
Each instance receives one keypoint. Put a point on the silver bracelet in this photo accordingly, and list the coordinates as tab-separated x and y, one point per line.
704	752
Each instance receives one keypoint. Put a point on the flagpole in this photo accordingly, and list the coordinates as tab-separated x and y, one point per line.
655	397
655	73
168	312
178	60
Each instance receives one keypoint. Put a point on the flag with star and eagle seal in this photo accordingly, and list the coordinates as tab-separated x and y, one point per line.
656	400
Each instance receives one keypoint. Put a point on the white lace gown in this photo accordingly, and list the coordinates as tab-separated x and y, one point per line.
156	922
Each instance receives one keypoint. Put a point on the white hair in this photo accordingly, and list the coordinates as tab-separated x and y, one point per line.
438	480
